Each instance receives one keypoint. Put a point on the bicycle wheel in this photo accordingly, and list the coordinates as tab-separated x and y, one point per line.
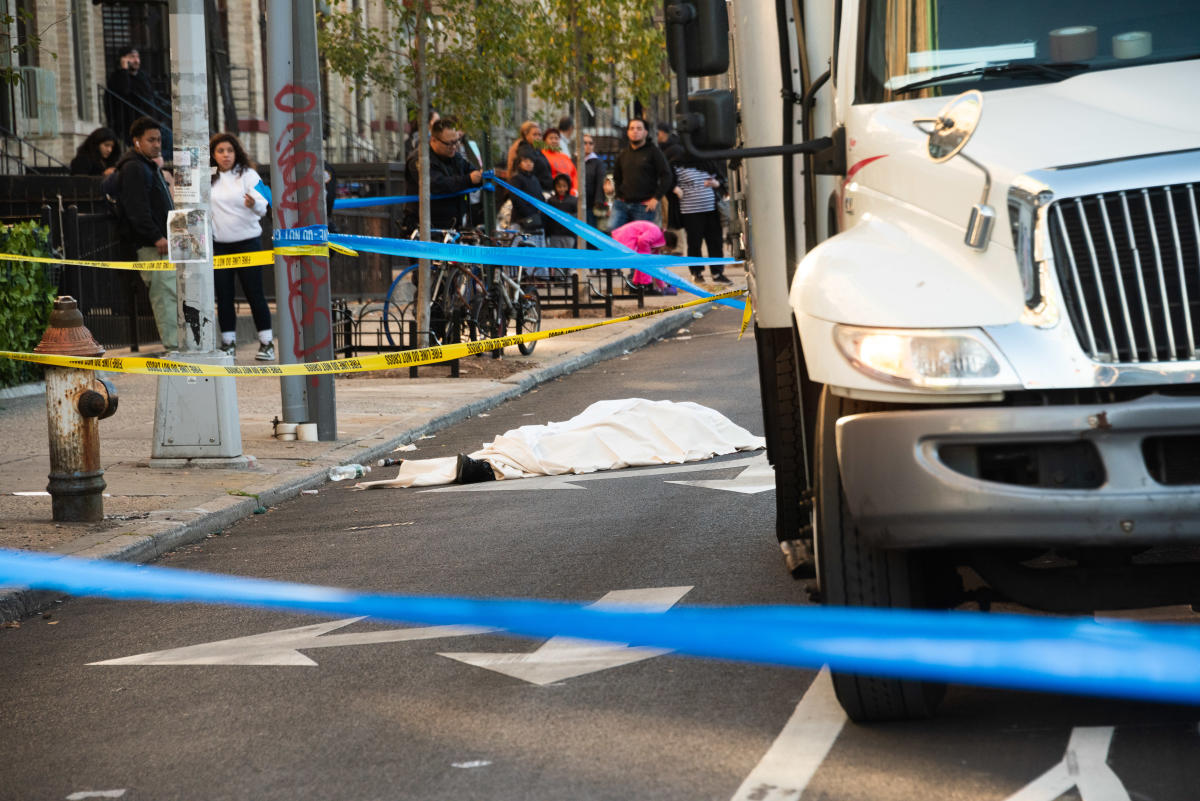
490	318
529	317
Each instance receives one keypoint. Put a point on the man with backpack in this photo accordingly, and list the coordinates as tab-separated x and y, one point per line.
142	205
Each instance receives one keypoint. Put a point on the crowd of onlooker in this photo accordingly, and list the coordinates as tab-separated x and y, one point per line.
652	190
653	180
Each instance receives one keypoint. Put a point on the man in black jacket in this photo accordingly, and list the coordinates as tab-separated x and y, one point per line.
593	168
132	94
143	203
641	175
449	172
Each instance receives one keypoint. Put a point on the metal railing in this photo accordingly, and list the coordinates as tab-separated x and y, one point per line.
115	105
19	156
1129	266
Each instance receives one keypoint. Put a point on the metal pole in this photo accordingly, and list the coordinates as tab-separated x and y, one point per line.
305	326
488	198
423	266
279	75
314	294
189	79
193	419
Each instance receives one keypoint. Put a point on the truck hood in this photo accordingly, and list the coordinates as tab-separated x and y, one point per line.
1096	116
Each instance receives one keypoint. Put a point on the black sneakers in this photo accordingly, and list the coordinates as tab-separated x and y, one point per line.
472	471
721	279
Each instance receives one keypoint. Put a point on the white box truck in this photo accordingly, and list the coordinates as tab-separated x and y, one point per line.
972	232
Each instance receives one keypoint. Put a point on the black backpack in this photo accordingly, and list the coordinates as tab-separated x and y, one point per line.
111	189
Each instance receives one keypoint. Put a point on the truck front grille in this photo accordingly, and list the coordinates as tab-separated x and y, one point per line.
1129	269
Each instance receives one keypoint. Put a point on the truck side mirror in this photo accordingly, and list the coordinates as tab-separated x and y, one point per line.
706	36
952	128
954	125
711	119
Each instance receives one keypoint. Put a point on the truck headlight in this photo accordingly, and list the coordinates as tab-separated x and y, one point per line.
926	358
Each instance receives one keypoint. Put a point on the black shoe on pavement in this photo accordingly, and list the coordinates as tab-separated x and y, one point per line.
721	279
473	471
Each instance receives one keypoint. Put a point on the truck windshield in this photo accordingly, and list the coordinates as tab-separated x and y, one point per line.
927	48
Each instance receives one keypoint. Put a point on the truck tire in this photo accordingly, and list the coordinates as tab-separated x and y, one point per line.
854	573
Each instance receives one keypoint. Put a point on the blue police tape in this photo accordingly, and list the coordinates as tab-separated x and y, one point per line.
1158	662
561	258
367	202
606	242
654	266
304	235
343	203
575	226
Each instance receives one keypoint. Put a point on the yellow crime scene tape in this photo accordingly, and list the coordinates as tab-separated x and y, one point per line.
257	258
383	361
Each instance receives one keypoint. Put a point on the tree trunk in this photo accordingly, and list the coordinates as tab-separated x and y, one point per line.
423	279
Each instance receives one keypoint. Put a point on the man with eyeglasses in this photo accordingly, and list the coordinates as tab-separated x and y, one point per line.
449	172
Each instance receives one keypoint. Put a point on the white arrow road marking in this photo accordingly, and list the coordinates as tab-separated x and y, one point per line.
283	647
792	760
1085	766
759	476
571	481
561	658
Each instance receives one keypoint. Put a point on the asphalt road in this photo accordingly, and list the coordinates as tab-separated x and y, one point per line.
375	716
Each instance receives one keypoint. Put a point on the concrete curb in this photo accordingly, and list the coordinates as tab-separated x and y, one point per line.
171	529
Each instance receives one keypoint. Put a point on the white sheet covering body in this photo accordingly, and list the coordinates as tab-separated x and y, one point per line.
607	435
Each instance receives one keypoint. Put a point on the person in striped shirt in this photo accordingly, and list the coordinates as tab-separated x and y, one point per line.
696	184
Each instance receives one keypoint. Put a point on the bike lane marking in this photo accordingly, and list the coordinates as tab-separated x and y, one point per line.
792	760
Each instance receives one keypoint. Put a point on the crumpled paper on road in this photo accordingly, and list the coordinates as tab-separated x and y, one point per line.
608	435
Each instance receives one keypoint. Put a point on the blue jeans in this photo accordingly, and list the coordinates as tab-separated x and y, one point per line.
623	212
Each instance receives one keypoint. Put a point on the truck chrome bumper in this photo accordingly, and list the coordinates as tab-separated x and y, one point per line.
903	494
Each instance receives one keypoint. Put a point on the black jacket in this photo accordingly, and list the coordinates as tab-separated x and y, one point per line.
541	166
143	202
594	174
86	164
642	174
446	175
139	98
525	213
568	206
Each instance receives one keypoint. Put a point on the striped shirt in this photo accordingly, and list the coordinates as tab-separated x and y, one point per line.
697	198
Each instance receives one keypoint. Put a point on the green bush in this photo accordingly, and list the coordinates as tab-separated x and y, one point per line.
26	297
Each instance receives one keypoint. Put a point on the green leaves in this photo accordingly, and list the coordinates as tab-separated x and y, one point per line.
483	51
26	295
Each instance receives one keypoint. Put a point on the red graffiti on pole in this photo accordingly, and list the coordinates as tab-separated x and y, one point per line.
298	205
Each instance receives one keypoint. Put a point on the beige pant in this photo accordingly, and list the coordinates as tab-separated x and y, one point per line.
164	300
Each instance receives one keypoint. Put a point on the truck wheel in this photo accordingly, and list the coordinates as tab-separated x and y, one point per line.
853	573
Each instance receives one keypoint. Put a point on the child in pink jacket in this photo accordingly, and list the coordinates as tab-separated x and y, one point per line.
646	237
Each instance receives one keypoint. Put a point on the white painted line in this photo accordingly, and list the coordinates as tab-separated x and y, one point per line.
1084	766
283	647
561	658
476	763
82	794
792	760
759	476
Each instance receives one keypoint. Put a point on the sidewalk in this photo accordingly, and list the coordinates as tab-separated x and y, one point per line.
152	510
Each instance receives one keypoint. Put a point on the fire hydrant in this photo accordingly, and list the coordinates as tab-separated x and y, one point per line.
75	401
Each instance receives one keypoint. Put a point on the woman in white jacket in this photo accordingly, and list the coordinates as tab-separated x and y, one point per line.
236	210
